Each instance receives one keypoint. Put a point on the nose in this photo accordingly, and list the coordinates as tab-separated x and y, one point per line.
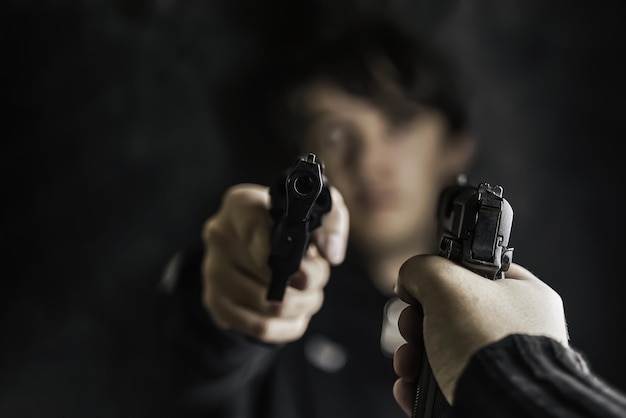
369	158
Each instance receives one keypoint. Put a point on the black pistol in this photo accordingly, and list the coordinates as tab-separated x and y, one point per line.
475	226
299	200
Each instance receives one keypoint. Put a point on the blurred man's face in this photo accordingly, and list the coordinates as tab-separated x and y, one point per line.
390	176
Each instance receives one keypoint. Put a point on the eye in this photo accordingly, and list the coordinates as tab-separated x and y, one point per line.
333	135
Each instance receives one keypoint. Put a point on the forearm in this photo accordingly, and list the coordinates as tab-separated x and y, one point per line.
524	376
213	367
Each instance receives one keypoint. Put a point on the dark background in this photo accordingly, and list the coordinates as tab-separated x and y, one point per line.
112	158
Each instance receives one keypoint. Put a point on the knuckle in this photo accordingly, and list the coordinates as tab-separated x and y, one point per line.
557	299
325	275
259	329
212	306
320	267
311	252
218	319
316	272
407	267
279	309
300	327
291	304
209	301
207	229
318	302
214	233
234	194
243	194
209	273
305	302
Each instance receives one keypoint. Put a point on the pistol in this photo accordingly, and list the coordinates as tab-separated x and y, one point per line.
299	199
475	227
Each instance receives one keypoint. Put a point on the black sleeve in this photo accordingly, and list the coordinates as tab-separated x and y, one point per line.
216	371
533	376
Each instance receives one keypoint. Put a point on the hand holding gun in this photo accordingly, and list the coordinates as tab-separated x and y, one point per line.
261	278
497	347
476	226
299	201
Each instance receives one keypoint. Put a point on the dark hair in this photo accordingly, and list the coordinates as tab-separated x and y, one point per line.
373	59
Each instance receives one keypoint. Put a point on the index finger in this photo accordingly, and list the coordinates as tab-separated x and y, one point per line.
332	236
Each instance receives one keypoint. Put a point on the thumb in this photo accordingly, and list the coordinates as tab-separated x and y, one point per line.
332	236
425	277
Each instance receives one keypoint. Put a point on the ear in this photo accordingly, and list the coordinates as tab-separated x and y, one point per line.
460	151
